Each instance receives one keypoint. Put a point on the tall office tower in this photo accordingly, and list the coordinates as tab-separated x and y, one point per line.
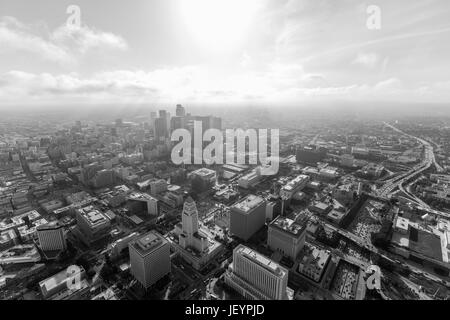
77	127
215	123
247	217
161	132
190	236
286	236
163	114
119	122
189	219
205	120
180	111
51	237
257	277
177	123
194	245
153	116
149	258
208	122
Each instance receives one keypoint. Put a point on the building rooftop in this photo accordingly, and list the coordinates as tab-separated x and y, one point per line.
294	183
321	206
140	196
93	216
148	243
261	260
402	223
204	172
248	203
336	215
288	225
57	279
49	226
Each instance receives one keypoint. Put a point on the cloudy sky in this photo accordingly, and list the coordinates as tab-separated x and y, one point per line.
224	51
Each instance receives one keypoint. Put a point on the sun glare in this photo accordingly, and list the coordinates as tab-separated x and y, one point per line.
218	25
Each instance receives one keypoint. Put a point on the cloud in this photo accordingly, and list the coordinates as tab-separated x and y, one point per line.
389	84
17	37
368	60
84	39
63	45
280	83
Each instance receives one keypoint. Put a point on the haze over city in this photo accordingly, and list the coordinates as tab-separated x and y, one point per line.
210	51
225	151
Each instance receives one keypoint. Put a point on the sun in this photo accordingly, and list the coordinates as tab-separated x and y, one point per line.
218	25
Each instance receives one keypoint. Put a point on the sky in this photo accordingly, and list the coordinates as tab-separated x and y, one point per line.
223	51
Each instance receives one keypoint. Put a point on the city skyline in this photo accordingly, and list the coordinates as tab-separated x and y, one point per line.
224	151
222	52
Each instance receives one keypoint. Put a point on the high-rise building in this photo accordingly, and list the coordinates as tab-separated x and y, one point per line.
257	277
247	216
208	122
103	178
163	114
177	123
190	237
161	129
153	116
202	179
149	258
273	207
180	111
157	186
144	202
205	120
287	236
195	245
215	123
51	237
89	171
93	225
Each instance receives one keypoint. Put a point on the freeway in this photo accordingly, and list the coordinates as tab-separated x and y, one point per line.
399	181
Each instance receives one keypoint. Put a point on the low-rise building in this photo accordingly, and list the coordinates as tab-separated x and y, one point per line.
313	262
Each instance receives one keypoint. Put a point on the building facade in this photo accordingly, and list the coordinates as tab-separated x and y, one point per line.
149	258
51	237
247	217
256	277
286	236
